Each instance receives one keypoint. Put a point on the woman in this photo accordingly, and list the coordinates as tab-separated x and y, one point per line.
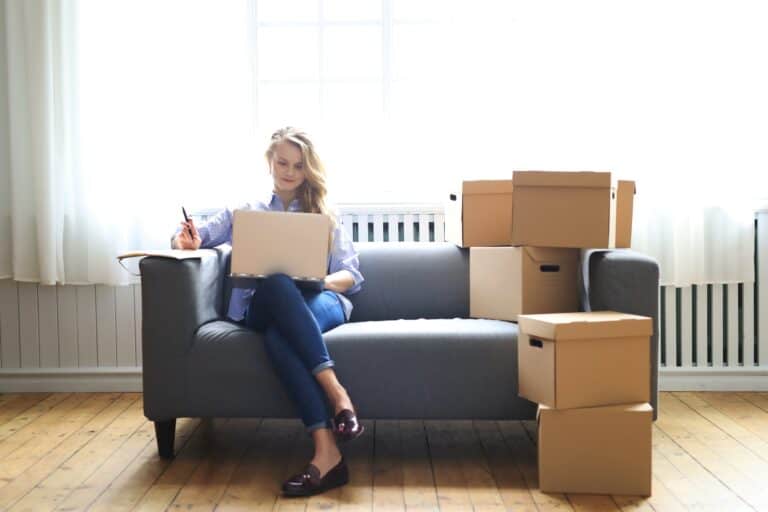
293	320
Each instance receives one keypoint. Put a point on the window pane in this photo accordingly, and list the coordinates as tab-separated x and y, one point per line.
417	51
287	10
352	52
353	103
288	53
288	104
352	10
417	10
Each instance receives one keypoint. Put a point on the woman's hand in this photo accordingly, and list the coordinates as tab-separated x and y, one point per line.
340	281
184	241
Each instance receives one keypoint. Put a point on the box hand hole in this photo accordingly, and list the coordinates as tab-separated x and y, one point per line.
536	343
550	268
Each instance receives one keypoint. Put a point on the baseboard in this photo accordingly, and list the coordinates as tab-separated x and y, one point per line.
128	379
20	380
713	379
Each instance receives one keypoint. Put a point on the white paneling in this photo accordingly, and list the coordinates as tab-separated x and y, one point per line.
10	351
137	316
29	330
686	326
408	221
439	219
733	325
394	234
362	228
749	324
701	325
717	325
762	285
346	223
670	325
67	313
424	219
106	325
48	314
87	347
378	228
126	326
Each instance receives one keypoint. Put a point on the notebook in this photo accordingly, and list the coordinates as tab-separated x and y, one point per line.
267	242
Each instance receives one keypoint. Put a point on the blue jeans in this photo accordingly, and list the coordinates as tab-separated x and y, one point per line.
293	321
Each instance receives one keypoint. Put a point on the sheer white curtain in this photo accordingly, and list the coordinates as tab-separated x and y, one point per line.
174	102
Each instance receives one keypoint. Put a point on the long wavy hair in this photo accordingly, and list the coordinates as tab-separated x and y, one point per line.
312	193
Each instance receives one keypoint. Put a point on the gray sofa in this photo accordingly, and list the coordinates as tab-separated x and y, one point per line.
409	350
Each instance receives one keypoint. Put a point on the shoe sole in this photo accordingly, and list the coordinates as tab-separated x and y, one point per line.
319	490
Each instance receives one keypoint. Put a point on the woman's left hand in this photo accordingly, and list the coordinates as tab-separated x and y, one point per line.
340	281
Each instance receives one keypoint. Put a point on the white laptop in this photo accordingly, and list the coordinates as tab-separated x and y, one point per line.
267	242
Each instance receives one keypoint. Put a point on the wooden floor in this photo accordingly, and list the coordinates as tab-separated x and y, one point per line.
97	451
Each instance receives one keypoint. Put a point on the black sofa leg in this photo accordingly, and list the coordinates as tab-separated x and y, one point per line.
165	432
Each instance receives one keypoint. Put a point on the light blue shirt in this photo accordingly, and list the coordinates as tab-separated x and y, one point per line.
218	230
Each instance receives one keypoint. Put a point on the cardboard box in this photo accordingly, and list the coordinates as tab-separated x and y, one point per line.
597	450
571	209
570	360
481	214
505	282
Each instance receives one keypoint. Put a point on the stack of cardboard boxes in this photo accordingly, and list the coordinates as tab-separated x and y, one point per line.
589	372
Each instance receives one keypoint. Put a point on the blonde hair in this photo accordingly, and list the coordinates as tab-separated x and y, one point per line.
312	193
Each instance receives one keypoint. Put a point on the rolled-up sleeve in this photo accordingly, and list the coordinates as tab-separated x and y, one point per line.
345	257
216	230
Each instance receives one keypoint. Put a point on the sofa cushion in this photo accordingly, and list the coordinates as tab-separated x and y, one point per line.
411	280
427	368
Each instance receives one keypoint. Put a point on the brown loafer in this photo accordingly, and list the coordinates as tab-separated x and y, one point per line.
346	427
309	482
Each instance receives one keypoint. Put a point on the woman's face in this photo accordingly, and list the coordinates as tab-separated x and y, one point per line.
286	167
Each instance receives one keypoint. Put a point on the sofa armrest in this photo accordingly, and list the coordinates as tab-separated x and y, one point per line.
178	296
626	281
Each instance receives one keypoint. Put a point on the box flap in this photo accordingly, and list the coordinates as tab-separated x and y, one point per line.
487	187
583	325
586	179
550	255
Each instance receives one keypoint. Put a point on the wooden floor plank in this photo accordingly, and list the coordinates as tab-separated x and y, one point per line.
387	467
449	480
30	445
18	487
14	404
54	489
30	414
96	451
504	468
516	437
255	483
164	490
357	495
127	489
207	484
694	460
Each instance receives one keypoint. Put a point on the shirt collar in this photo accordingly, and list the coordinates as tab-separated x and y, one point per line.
275	203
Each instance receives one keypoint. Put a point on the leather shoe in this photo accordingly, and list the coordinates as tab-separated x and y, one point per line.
345	425
309	482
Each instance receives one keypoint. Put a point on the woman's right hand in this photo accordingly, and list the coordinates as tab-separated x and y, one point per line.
184	240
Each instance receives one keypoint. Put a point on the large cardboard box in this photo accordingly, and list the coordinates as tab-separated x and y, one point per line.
571	209
570	360
596	450
481	214
505	282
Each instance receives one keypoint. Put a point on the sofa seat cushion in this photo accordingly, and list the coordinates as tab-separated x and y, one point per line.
425	368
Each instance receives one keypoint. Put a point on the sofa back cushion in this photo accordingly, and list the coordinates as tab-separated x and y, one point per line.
411	280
